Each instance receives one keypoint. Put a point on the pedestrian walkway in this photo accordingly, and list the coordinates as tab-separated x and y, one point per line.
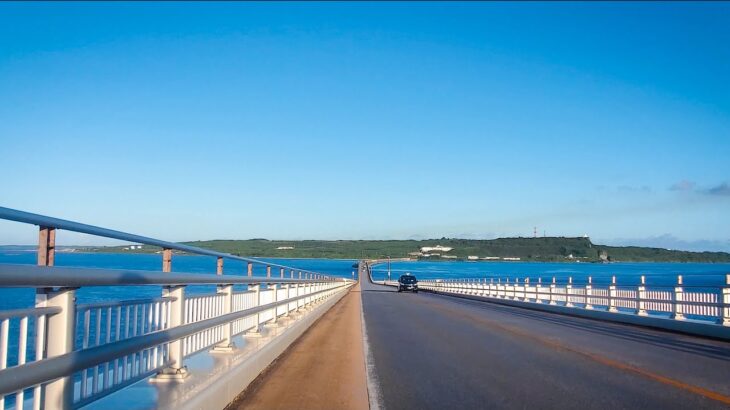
324	369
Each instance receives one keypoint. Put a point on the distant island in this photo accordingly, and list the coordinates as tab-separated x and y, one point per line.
540	249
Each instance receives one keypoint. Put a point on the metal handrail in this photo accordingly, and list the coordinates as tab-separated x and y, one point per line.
29	312
117	303
50	222
34	373
54	276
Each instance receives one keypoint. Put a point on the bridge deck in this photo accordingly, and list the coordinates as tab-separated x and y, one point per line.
324	369
443	352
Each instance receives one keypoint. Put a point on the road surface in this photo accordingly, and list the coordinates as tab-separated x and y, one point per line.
441	352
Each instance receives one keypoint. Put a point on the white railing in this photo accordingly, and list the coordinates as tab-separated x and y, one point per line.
102	323
679	302
116	343
61	354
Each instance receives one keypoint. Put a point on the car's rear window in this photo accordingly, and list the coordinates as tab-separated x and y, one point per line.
408	279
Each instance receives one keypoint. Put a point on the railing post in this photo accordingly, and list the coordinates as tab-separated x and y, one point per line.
612	295
288	295
268	271
226	345
61	328
725	306
526	296
256	330
677	311
552	293
275	289
281	273
568	288
589	293
538	290
46	246
176	371
167	260
249	269
640	297
300	302
291	273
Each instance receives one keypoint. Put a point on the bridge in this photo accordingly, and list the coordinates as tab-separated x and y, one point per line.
274	336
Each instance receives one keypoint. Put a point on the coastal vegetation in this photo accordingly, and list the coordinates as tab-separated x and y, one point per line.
545	249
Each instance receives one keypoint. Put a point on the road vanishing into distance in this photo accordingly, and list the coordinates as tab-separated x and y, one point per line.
439	352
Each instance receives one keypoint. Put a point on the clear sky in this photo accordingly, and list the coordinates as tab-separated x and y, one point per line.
192	121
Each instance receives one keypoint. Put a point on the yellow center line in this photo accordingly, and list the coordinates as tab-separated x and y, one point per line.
605	361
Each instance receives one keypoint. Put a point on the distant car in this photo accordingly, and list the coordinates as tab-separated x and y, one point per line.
408	282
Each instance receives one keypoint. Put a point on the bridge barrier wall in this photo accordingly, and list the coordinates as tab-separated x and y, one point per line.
703	311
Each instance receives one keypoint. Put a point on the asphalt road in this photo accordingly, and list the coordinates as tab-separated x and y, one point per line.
440	352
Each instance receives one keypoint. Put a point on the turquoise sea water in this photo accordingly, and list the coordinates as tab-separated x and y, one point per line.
658	274
20	298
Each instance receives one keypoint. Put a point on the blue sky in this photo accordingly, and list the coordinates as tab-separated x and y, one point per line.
288	121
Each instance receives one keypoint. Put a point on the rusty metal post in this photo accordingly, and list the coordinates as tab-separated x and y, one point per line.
167	260
46	246
268	271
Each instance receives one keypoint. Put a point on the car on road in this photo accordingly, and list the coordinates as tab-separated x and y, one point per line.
407	282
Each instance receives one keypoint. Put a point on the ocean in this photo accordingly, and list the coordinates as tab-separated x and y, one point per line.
14	298
627	274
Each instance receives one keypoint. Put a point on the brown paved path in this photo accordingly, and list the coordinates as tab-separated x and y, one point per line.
324	369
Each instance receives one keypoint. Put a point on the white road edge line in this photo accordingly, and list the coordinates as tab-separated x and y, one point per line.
375	399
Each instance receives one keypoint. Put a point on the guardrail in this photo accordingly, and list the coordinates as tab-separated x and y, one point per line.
71	354
680	302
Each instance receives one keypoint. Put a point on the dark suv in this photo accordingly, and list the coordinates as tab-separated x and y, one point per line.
407	282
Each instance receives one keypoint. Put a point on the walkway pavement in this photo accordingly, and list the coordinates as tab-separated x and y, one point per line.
324	369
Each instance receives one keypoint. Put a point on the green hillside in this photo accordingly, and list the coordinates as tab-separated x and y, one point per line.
526	249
